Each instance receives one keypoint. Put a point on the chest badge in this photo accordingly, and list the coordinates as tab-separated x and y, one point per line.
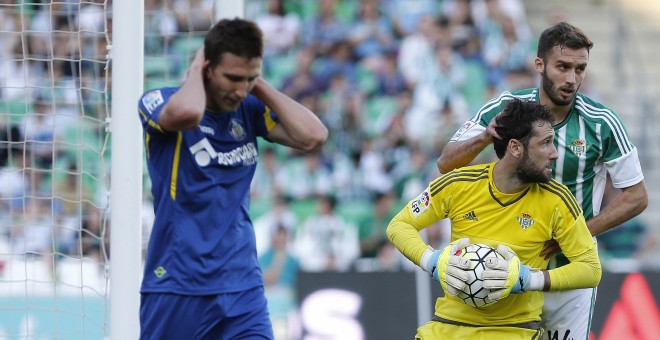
236	130
579	147
525	221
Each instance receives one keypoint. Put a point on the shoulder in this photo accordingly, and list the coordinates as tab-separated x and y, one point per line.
496	104
595	111
562	197
460	177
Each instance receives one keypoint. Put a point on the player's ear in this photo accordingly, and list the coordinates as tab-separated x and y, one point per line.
538	65
516	148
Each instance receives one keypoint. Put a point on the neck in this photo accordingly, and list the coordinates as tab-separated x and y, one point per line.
505	179
559	113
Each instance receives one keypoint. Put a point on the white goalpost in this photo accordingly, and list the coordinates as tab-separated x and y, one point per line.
127	57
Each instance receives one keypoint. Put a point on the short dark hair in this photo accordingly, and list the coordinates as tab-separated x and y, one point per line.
237	36
563	35
516	122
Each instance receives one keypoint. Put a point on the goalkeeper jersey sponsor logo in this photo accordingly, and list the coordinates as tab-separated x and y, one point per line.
421	203
525	221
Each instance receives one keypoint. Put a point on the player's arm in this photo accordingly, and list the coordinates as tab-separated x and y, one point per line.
185	108
584	270
298	127
466	144
403	232
628	204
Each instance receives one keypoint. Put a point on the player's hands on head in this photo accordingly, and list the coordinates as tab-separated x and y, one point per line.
490	129
449	269
199	62
505	276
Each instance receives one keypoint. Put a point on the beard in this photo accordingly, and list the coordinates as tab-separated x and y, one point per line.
528	172
549	88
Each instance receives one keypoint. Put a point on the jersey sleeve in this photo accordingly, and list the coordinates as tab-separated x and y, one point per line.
478	124
571	232
149	107
263	118
620	155
419	213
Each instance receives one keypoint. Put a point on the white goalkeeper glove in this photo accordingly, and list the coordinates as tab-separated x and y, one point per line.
509	275
447	268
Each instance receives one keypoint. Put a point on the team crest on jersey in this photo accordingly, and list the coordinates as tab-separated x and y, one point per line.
236	130
152	99
421	203
525	221
579	147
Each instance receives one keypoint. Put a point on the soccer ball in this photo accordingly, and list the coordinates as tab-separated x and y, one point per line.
474	294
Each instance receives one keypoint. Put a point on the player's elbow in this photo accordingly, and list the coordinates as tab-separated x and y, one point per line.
316	139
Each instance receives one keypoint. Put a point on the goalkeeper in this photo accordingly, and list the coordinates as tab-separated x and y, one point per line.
512	205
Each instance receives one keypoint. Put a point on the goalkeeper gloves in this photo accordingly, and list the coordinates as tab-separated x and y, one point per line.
509	275
445	267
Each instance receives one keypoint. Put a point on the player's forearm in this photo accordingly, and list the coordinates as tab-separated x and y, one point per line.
457	154
630	203
583	271
185	109
301	124
406	238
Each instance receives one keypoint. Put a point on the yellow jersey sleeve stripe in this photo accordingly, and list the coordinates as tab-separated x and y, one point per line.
565	198
175	165
151	122
270	123
147	139
567	192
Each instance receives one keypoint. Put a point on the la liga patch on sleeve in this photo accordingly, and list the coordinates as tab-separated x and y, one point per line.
421	203
152	99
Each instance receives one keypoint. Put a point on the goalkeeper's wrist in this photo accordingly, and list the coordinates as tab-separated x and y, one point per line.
426	260
536	280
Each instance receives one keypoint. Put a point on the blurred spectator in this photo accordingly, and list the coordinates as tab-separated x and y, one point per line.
33	234
338	62
390	81
305	177
193	15
160	27
304	82
322	31
372	230
15	181
278	264
406	14
416	51
372	35
281	29
279	215
325	242
10	136
94	238
265	184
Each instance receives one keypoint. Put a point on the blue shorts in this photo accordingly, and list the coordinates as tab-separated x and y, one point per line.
242	315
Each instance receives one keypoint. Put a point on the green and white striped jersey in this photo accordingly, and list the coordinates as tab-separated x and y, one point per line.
591	142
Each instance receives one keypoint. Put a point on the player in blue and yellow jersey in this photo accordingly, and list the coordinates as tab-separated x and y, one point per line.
512	205
592	142
202	279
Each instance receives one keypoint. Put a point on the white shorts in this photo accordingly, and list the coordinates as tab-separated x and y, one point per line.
567	314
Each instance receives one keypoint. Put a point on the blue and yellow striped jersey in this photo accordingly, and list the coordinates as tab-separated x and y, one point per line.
202	240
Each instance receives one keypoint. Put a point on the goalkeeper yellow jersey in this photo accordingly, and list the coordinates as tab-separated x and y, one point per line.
523	221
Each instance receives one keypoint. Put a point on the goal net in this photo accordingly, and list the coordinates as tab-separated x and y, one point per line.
54	169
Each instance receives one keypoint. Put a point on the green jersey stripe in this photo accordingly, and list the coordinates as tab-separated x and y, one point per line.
612	121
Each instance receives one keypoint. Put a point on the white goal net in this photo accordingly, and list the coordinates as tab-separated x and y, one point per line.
54	169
